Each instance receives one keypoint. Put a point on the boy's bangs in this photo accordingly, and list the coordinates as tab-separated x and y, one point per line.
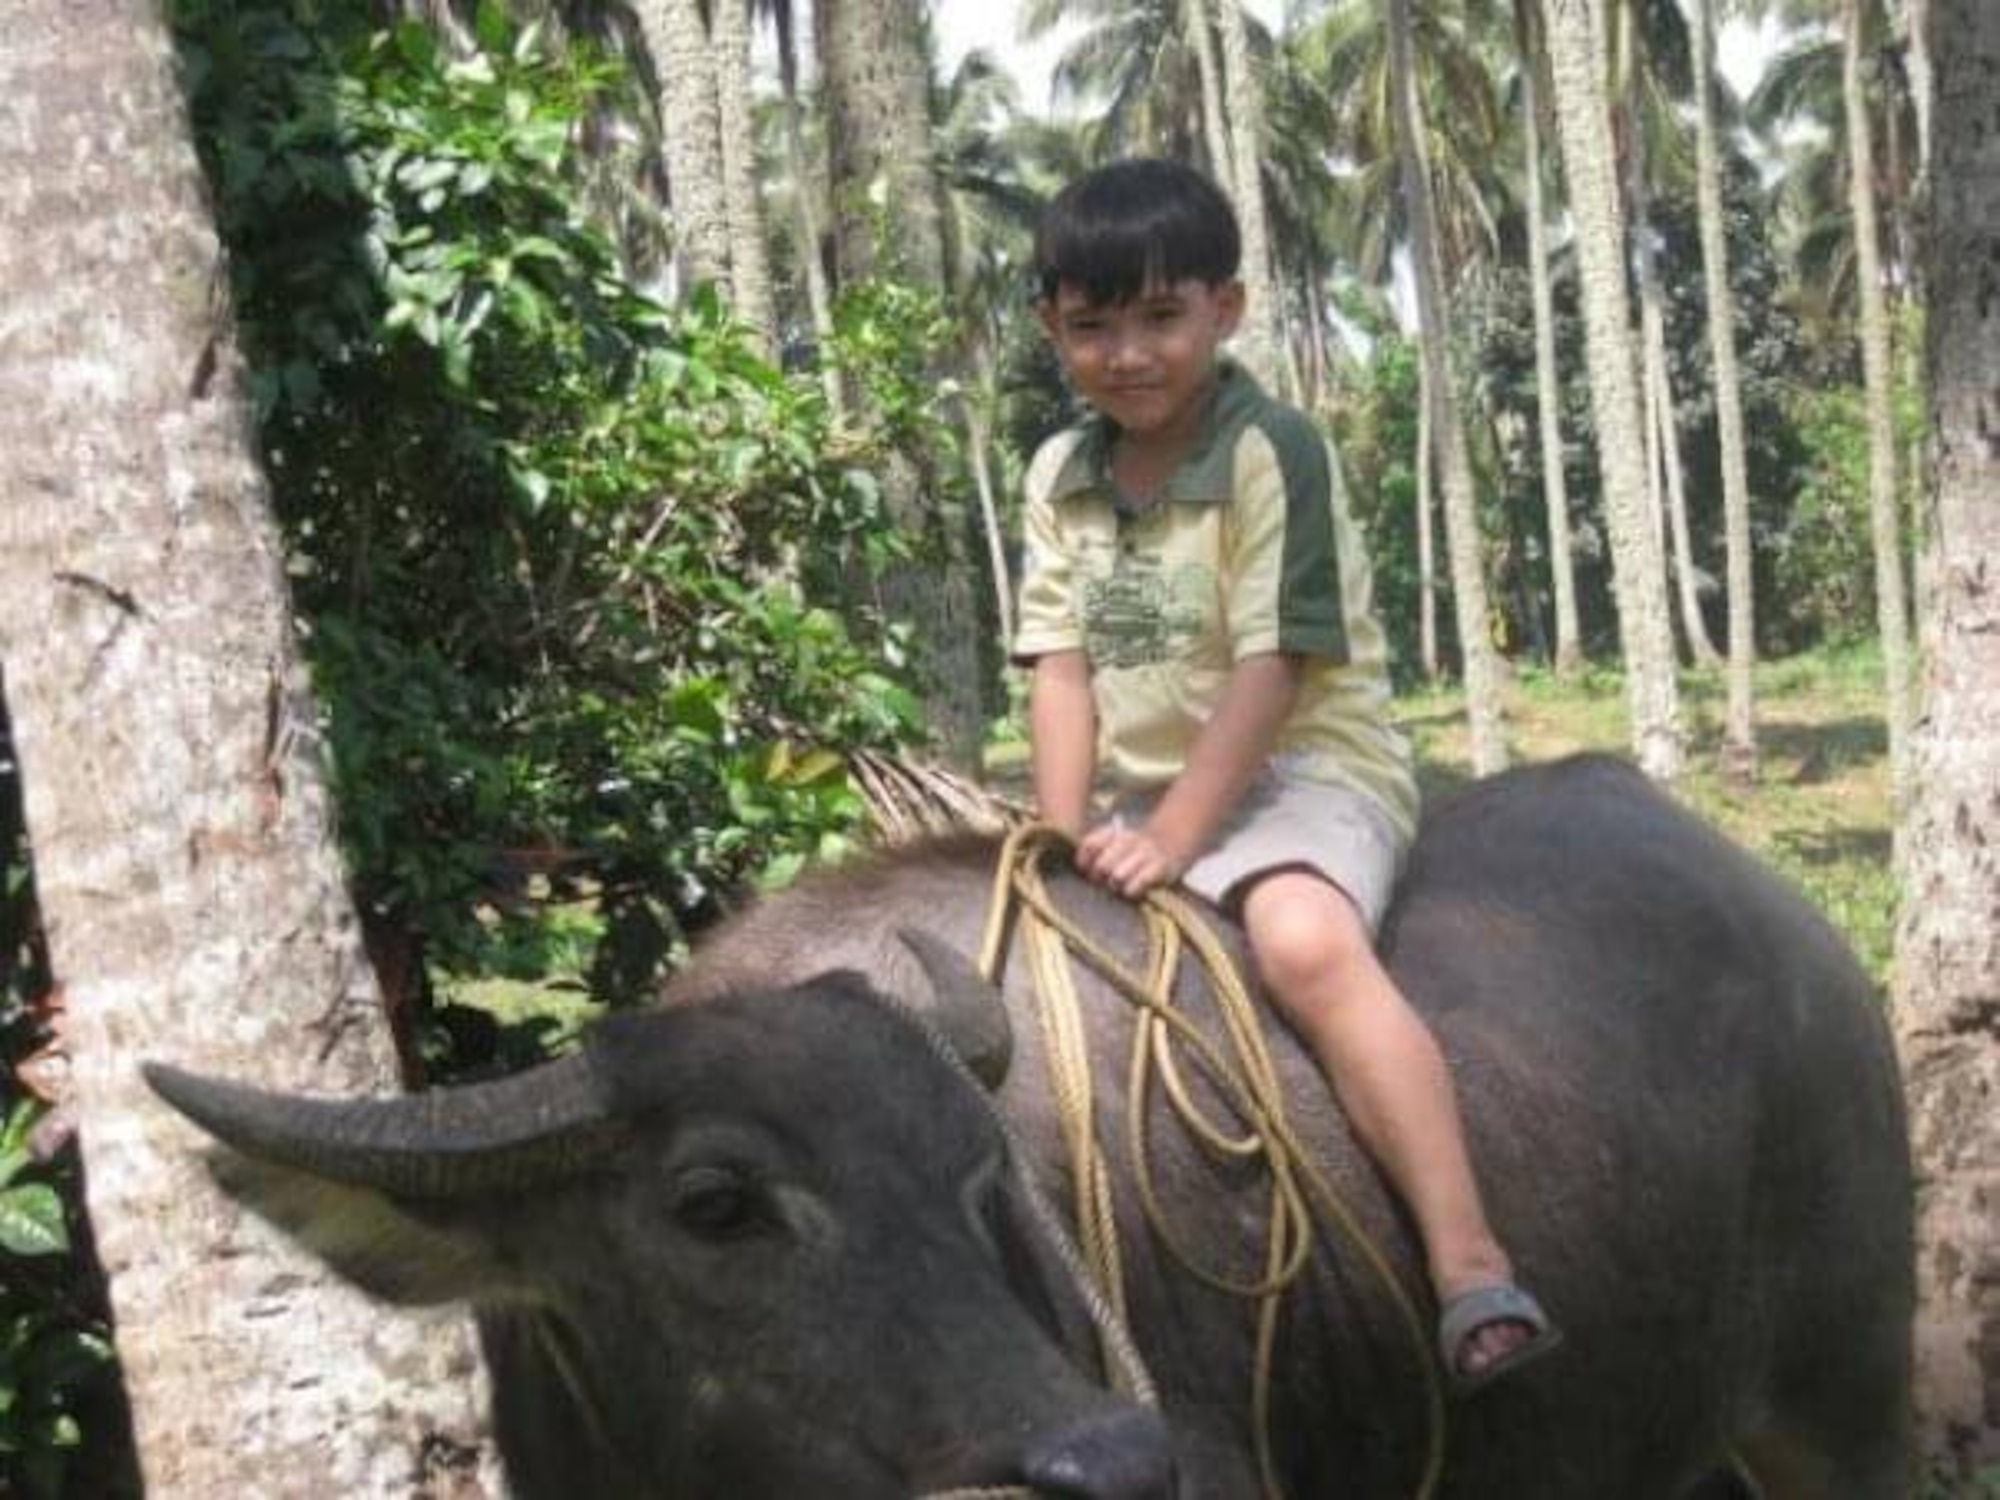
1113	262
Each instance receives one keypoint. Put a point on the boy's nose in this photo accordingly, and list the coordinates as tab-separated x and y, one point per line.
1128	351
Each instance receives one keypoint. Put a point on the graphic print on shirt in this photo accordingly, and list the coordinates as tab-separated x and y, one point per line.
1142	611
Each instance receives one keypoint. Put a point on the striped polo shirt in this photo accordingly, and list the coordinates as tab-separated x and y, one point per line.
1250	549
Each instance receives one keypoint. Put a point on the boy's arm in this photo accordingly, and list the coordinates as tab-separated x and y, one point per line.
1062	725
1232	747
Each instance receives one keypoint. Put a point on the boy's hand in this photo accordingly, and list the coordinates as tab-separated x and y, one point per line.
1130	861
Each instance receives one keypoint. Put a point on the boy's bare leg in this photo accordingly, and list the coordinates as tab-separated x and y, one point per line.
1385	1067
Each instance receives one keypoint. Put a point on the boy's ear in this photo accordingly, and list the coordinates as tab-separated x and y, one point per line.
1230	301
1045	309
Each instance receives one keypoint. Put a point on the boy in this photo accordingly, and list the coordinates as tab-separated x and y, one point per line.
1196	612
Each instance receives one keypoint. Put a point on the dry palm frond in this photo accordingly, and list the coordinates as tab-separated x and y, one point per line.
910	800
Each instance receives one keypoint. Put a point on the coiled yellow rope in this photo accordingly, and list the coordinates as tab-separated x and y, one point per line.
1247	1081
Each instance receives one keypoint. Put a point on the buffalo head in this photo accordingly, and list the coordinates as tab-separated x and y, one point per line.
767	1245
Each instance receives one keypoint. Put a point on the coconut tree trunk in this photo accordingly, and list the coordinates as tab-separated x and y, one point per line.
979	448
1878	378
749	253
1923	80
170	763
1739	731
1670	499
1700	648
1645	634
1923	524
1548	390
808	183
1261	344
1947	964
1461	509
677	40
1656	477
887	221
879	138
1427	589
1199	21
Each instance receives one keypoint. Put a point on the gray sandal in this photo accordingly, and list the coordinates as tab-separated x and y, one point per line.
1483	1306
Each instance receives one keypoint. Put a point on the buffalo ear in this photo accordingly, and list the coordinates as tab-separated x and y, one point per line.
964	1007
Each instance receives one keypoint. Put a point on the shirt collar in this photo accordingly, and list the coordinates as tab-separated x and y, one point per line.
1204	477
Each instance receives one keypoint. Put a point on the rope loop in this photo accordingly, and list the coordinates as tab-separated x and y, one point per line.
1240	1073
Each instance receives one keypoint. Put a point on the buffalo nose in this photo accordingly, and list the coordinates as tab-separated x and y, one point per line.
1122	1456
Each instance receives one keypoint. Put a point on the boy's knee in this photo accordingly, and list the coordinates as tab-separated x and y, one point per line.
1303	936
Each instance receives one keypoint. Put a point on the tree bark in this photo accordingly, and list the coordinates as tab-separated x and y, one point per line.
808	184
979	448
1923	80
1261	344
691	133
879	138
1427	587
1480	660
1673	472
1645	633
1548	390
170	764
1878	377
1739	732
749	252
1948	949
878	111
1670	499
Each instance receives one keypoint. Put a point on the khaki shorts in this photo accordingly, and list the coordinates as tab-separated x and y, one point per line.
1288	822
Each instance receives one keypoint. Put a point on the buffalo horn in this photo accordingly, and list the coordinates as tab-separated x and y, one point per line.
503	1136
968	1010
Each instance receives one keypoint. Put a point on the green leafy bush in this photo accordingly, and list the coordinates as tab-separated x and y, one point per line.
1824	565
585	579
53	1342
49	1347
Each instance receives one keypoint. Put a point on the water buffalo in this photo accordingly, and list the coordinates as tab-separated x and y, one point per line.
765	1240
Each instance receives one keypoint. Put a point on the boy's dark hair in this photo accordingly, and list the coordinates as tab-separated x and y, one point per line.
1114	230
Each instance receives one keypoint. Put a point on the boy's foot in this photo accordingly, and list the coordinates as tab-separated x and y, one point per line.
1491	1331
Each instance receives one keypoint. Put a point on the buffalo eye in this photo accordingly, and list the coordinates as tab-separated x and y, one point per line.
716	1203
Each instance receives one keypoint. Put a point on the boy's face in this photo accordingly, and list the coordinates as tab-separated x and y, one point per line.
1147	363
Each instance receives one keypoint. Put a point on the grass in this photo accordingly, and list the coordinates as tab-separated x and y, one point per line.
1819	810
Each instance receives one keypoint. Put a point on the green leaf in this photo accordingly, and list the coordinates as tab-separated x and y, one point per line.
417	43
491	26
420	175
538	247
31	1220
457	357
56	1430
780	872
302	387
20	1121
814	766
65	1356
532	485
